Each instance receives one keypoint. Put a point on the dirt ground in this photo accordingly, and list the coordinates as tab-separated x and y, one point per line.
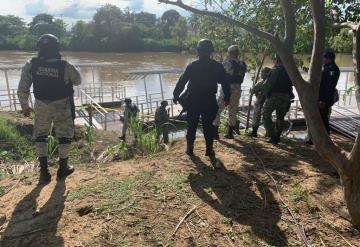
259	195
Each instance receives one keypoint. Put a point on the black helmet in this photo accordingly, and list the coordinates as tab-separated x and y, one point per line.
164	103
48	41
265	72
48	46
330	55
128	101
205	46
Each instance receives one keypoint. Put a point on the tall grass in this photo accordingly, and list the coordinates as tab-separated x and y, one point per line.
8	132
14	146
145	139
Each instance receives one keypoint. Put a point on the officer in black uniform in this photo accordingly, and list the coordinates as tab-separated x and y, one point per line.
52	79
202	76
329	79
327	92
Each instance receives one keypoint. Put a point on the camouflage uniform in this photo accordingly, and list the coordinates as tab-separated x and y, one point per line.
130	111
161	123
235	92
278	89
47	112
260	100
280	104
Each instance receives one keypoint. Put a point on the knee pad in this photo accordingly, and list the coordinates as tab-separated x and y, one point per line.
41	139
65	140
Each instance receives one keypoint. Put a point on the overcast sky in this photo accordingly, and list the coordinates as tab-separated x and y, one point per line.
72	10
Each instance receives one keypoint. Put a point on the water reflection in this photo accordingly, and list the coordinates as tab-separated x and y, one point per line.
120	63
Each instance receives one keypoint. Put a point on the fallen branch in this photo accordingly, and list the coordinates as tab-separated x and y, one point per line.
184	218
300	227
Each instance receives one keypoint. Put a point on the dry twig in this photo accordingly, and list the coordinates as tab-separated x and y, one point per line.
184	218
300	227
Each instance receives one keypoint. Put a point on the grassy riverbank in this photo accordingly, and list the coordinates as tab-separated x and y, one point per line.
174	200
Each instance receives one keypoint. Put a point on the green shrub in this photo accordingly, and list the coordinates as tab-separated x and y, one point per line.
13	146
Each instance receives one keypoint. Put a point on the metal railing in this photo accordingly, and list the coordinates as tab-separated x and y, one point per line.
91	106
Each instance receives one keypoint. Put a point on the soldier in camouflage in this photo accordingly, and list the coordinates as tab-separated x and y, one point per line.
278	89
131	111
258	91
161	121
53	80
235	70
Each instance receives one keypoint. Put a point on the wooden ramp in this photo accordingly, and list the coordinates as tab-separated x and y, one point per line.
345	121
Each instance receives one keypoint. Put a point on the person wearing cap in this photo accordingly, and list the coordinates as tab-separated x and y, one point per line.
131	111
52	79
235	70
260	94
327	91
202	77
162	121
279	93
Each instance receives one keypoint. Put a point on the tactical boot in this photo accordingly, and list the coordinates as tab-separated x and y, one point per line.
64	169
273	140
210	152
45	176
253	133
237	127
190	149
230	134
216	134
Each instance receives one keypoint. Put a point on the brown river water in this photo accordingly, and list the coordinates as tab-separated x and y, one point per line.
118	63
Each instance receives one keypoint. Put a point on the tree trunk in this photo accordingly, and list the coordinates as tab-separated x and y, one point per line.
356	62
352	196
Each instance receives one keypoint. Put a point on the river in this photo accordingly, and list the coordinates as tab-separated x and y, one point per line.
121	63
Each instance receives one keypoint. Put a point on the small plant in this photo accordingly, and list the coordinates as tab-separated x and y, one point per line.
53	145
123	151
224	122
299	194
145	141
90	136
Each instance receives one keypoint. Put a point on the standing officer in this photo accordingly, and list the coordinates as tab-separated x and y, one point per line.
327	92
279	88
258	91
202	77
235	70
131	111
161	121
53	80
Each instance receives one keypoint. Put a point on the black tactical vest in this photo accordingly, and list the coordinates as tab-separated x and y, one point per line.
48	79
236	78
283	83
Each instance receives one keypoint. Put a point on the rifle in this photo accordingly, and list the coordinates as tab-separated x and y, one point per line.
72	101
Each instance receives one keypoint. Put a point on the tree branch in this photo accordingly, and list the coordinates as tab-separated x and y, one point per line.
290	24
252	29
350	25
318	13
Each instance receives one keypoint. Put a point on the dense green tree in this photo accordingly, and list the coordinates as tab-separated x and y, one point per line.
11	25
45	23
108	21
179	31
145	18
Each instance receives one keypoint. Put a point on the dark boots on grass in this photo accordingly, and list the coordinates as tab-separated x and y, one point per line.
45	176
64	170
